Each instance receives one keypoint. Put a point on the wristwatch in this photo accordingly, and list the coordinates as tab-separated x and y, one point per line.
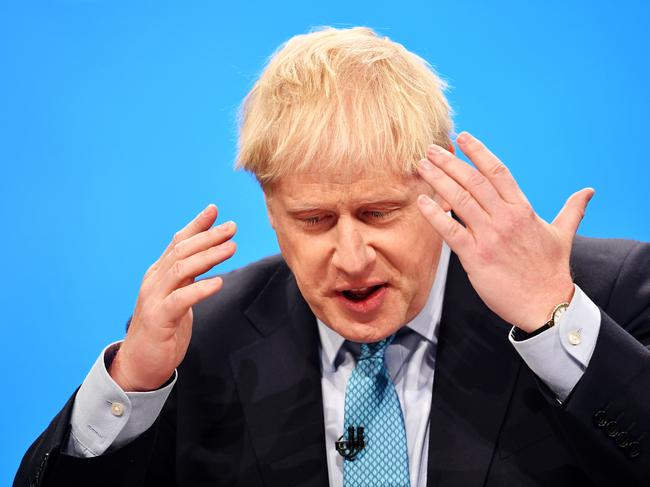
518	334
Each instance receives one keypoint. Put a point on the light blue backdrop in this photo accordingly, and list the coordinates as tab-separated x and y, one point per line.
117	126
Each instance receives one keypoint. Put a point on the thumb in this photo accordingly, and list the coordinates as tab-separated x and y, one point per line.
570	216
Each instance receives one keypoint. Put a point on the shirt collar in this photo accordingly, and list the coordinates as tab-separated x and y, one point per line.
424	324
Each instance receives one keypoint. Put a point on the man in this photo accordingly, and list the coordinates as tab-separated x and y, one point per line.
392	342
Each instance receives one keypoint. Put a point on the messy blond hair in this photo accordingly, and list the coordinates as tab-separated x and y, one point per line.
345	100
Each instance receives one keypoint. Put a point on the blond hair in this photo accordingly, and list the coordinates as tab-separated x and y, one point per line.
345	100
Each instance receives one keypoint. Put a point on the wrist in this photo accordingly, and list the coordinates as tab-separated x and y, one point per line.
122	374
116	371
540	317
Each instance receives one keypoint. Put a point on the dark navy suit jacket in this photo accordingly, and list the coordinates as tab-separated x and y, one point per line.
247	407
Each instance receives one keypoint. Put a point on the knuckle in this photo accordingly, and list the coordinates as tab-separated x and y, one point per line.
452	229
178	269
463	198
526	215
519	219
476	179
499	169
177	251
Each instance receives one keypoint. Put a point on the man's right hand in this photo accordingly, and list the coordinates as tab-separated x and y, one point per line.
161	326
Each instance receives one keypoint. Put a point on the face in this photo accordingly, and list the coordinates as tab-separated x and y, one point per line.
363	255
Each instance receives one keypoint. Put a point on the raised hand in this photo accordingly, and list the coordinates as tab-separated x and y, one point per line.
161	326
516	262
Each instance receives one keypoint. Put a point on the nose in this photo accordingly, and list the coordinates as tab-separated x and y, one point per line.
353	254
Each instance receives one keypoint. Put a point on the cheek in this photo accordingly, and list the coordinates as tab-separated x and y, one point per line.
305	258
413	252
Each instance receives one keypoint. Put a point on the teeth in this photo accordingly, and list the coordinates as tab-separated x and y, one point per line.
360	290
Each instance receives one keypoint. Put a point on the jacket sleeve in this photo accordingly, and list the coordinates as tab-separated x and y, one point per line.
606	418
146	461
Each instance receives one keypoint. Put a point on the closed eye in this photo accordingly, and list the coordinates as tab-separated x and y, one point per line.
312	221
378	214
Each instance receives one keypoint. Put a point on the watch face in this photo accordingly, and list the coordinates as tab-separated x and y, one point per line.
559	312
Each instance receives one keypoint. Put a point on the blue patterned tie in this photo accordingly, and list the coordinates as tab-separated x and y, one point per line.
371	402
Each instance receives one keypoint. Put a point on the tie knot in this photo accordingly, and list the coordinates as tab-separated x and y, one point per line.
376	349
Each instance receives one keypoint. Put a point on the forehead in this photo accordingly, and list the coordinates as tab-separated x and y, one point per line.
319	188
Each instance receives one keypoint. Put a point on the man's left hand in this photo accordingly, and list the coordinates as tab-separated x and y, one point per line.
517	263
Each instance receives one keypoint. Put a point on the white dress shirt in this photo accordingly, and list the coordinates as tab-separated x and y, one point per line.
105	417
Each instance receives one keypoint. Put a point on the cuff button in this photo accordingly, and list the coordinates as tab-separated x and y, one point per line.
601	419
622	439
612	429
574	337
633	450
117	409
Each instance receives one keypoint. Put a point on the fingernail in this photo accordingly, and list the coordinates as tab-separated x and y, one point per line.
227	225
462	138
424	200
207	209
435	149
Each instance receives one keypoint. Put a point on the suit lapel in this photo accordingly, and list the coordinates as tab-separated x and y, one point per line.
278	381
475	372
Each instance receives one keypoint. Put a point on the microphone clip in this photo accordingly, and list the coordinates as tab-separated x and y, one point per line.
350	448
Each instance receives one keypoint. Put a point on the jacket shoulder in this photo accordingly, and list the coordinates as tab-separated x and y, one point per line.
608	269
221	317
241	286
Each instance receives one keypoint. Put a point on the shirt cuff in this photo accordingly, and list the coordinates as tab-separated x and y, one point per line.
560	355
104	416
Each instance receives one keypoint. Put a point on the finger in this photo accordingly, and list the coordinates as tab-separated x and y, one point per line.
461	200
457	237
491	167
177	303
569	218
468	177
197	243
441	202
193	266
200	223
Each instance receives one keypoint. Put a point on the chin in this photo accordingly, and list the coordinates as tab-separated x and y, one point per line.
366	332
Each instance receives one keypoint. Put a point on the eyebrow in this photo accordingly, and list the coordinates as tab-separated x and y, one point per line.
305	207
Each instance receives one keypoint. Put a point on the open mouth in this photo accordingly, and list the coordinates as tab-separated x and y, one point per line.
363	302
361	294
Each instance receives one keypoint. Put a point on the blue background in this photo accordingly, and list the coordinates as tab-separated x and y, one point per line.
117	126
